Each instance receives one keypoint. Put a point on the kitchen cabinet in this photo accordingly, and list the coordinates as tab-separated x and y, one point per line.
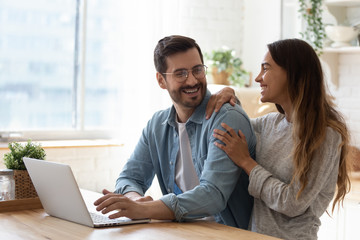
330	61
341	10
346	12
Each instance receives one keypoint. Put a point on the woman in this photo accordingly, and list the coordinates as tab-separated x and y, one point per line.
301	153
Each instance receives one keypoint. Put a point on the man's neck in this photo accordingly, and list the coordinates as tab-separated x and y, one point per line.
183	114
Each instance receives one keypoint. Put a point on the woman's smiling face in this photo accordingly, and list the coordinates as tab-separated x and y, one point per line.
273	82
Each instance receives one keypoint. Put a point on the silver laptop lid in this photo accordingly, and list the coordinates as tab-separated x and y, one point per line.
58	190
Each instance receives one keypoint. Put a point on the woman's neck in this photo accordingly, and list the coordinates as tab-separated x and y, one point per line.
288	109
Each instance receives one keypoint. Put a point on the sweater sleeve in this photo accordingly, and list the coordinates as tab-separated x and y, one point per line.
322	177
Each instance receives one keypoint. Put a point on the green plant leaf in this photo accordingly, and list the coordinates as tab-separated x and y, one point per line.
13	159
311	12
225	60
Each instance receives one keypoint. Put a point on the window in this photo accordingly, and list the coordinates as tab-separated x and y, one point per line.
36	64
58	73
80	69
75	69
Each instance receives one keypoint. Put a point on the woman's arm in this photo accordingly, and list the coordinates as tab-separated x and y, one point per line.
321	181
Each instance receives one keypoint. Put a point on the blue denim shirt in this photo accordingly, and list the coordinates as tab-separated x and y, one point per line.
223	186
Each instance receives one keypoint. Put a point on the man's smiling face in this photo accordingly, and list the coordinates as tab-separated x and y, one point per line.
186	95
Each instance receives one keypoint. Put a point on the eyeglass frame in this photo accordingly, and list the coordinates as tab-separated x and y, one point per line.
187	72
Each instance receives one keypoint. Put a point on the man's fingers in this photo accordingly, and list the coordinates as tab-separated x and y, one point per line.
105	191
117	215
102	199
117	206
107	200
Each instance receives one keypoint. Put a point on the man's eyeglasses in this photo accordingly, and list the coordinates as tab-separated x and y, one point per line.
181	75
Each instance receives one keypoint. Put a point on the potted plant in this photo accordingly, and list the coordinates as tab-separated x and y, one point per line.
311	12
13	160
227	69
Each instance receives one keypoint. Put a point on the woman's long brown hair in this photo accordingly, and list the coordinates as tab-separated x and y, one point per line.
313	111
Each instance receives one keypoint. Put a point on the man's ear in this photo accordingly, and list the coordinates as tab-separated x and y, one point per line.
161	80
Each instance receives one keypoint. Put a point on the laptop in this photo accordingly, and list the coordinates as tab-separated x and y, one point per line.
61	197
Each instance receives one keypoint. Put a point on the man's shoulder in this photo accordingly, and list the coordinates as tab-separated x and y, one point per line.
234	116
232	111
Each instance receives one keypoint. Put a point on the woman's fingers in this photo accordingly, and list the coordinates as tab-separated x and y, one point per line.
210	106
241	135
218	99
230	130
223	136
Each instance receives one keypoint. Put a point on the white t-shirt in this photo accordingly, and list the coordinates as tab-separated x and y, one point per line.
185	174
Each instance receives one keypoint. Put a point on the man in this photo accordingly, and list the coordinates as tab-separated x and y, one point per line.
197	179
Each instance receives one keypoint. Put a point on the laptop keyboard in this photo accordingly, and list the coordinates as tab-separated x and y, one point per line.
97	218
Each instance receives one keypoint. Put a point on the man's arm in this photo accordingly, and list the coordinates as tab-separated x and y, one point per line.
138	172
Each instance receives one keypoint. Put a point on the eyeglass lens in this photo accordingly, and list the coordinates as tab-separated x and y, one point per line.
198	72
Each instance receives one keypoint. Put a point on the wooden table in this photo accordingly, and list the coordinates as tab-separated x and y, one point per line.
36	224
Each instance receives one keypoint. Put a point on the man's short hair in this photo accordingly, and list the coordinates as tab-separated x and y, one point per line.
171	45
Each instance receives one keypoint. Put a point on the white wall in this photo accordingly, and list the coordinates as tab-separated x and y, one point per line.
211	23
262	21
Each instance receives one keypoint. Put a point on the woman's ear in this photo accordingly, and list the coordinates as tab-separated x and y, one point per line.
161	80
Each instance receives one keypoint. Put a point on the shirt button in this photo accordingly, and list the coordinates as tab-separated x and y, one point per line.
171	163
